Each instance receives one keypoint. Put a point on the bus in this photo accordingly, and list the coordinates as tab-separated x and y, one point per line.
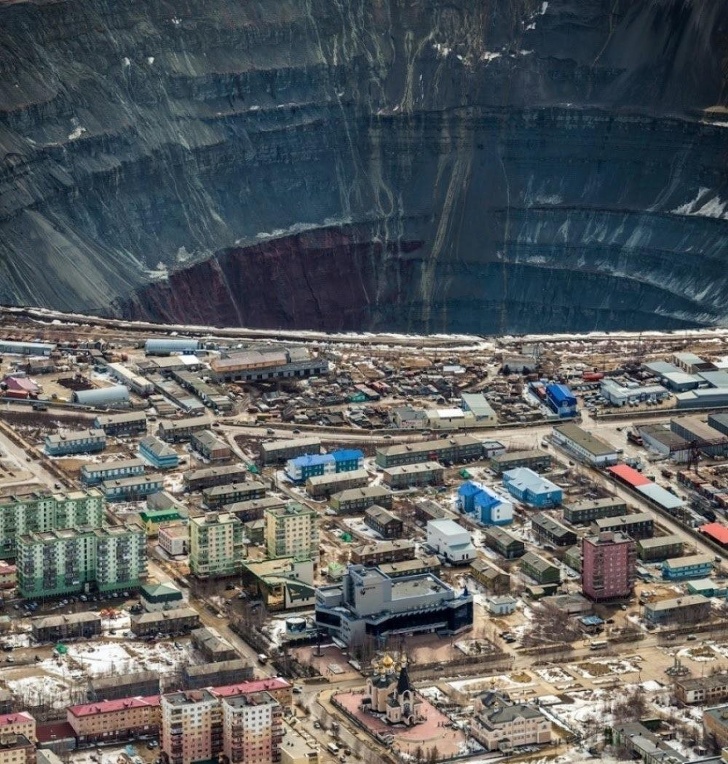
598	644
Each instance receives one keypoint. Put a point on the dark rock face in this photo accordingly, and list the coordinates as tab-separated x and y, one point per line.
475	165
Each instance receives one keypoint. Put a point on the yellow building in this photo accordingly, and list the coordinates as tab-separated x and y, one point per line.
111	720
16	749
21	723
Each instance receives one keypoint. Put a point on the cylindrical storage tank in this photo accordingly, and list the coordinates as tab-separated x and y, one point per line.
295	625
116	395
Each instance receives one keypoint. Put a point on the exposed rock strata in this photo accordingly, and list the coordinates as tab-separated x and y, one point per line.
476	165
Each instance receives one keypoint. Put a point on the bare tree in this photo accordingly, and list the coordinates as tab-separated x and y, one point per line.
550	626
630	707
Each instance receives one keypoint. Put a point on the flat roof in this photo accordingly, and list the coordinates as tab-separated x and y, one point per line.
687	600
688	561
509	456
413	469
609	501
430	445
661	495
591	443
658	541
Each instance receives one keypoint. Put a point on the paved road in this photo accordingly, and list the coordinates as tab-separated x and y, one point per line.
161	572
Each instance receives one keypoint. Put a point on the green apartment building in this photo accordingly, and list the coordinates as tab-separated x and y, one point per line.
81	559
40	513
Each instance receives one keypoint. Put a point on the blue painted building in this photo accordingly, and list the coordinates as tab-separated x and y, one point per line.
691	566
531	488
484	504
348	460
75	442
561	400
94	473
158	453
302	468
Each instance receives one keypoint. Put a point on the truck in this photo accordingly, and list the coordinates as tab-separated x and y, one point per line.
332	748
262	659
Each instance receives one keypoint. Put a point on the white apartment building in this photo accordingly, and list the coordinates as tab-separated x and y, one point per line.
291	531
203	725
216	544
191	726
252	728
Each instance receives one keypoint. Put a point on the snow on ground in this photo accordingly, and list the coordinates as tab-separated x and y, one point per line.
481	684
433	694
102	659
554	675
38	690
610	667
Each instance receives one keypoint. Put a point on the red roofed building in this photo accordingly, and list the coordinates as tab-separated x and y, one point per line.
21	387
279	688
21	723
111	720
628	475
716	531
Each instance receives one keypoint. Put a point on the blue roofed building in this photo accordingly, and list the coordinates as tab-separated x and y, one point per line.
531	488
561	400
484	504
348	460
302	468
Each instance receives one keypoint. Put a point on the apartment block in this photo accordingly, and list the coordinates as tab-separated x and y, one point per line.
56	628
128	423
220	495
108	721
384	522
216	544
702	689
383	552
176	430
291	531
196	480
202	725
280	451
16	749
252	728
132	488
74	560
93	473
319	486
459	448
585	512
21	723
38	513
358	499
406	475
608	566
75	442
191	727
